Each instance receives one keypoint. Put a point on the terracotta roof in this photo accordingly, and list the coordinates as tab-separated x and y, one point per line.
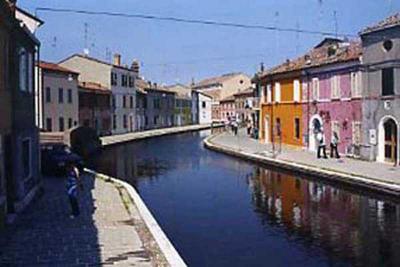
140	85
228	99
214	94
96	60
319	56
181	90
55	67
248	91
215	80
389	22
94	87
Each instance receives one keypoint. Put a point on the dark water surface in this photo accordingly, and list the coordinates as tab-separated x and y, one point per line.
222	211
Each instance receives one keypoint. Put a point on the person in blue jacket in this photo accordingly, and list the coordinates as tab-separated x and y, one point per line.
72	188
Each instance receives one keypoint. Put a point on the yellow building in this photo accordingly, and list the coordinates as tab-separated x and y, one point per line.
281	107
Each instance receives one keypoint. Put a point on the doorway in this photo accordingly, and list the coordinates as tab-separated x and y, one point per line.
390	142
315	126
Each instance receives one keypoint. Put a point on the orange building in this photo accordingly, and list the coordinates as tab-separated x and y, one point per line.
281	108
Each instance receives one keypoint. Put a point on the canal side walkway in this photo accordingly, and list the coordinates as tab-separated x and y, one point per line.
122	138
109	231
373	175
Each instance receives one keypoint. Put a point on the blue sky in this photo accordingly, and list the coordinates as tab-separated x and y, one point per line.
172	52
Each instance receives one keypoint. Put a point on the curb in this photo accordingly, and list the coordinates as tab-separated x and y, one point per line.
124	138
350	179
165	245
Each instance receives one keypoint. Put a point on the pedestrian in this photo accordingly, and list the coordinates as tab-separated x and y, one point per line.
334	145
235	127
72	188
321	144
249	127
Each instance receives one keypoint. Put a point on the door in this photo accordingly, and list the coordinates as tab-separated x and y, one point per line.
8	171
267	130
390	128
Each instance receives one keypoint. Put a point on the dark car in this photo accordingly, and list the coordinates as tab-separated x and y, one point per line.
55	156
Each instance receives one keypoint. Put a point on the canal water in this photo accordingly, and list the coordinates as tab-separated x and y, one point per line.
222	211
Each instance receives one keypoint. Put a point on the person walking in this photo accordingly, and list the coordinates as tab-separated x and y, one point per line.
72	188
249	124
334	145
321	144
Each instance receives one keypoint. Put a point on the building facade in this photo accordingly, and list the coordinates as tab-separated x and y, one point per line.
21	145
94	107
204	107
332	95
227	109
160	107
5	101
58	101
381	82
221	87
121	81
183	104
244	101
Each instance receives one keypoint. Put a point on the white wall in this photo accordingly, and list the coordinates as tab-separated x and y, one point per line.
204	113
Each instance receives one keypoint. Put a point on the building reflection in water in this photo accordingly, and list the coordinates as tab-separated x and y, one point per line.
347	226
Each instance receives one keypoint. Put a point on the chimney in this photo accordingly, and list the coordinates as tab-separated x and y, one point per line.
262	67
135	67
117	59
13	5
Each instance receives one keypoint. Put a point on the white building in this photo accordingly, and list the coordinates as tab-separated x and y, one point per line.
120	79
204	109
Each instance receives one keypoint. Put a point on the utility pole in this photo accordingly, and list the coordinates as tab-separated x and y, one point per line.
85	37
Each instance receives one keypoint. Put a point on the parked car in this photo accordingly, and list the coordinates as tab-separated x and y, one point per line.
55	156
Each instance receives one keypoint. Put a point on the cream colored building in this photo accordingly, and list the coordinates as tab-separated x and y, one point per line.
119	78
58	102
221	87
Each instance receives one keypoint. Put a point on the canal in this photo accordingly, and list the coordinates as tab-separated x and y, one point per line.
222	211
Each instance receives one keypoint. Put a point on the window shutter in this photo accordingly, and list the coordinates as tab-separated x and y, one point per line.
296	91
277	92
269	94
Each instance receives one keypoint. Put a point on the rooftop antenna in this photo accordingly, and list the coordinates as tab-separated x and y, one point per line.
336	23
297	37
86	30
276	33
108	54
320	2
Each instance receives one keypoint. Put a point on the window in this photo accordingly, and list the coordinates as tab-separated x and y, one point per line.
203	104
60	95
114	79
61	124
48	95
23	70
355	79
124	80
146	121
124	101
131	101
26	158
296	91
269	93
335	127
114	122
49	126
30	72
356	132
297	128
387	45
125	121
113	102
387	81
335	87
131	81
70	96
277	92
155	120
70	124
315	89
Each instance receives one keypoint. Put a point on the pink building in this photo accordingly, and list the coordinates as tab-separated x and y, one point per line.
332	94
227	109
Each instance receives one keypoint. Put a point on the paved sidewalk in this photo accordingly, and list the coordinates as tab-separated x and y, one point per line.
121	138
104	233
372	170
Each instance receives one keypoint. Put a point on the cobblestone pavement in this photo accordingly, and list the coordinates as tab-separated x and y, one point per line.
377	171
103	234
